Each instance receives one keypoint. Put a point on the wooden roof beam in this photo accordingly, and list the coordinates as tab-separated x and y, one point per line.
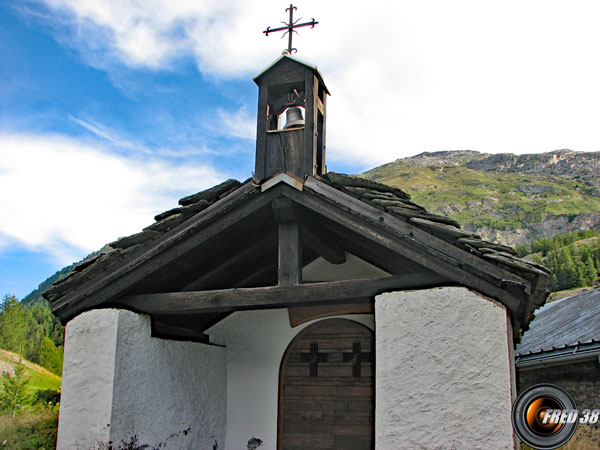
328	247
224	268
213	220
224	300
410	241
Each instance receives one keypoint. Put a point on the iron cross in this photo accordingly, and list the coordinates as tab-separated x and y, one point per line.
289	26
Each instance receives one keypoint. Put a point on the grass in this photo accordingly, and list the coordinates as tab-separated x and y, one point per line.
587	437
559	295
29	431
39	377
35	427
42	381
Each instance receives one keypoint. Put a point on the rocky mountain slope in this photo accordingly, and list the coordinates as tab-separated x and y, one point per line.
508	198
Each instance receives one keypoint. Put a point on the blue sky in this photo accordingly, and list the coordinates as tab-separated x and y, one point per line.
111	111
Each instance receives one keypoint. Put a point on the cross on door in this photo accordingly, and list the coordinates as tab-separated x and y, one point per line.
314	358
357	357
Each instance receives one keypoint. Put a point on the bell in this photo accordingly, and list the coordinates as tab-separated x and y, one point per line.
293	118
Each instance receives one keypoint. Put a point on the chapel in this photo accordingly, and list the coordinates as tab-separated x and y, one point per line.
299	309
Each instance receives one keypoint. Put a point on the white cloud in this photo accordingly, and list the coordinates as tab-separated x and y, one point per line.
406	76
123	144
239	123
66	197
107	134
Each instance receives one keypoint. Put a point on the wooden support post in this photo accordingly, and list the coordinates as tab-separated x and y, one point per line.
290	254
290	243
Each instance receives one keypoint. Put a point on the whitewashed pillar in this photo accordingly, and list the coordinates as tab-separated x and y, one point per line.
122	386
443	377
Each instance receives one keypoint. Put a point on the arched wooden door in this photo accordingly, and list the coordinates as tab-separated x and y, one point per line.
326	390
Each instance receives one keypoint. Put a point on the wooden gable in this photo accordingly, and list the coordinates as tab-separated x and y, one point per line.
232	255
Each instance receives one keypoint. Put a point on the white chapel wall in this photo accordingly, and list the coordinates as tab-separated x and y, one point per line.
256	342
87	380
443	377
122	385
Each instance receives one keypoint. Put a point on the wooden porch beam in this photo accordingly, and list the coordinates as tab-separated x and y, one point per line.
225	300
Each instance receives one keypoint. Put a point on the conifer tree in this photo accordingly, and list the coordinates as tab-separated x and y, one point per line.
589	271
13	326
579	280
567	272
553	283
14	395
51	357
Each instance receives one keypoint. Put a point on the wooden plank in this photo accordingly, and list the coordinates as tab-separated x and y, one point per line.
258	277
328	248
290	254
331	371
304	314
224	300
338	407
410	233
303	442
372	252
285	153
289	258
408	240
229	264
195	231
262	124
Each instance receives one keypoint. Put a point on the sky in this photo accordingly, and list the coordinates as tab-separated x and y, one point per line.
111	110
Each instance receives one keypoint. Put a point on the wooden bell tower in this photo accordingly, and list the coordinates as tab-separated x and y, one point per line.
298	150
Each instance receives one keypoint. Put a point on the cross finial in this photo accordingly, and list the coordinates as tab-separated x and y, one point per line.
289	27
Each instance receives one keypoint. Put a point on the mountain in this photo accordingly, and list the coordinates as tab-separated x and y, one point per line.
512	199
39	377
35	296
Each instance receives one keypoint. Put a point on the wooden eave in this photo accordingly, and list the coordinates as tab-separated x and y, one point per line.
436	262
285	58
194	232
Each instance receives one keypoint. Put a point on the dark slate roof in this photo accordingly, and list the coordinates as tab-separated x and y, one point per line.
389	199
116	251
397	202
566	326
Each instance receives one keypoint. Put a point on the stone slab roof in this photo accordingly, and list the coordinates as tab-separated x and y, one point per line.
397	202
392	200
117	250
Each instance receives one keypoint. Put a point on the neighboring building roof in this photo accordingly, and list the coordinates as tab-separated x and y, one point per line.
198	211
563	329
